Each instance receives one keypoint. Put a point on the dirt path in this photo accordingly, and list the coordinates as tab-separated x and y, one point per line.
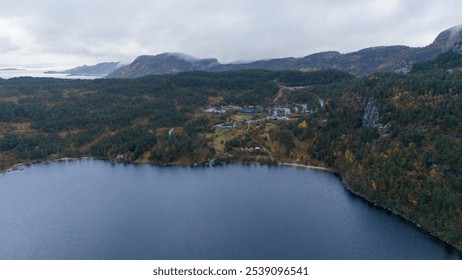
283	87
279	95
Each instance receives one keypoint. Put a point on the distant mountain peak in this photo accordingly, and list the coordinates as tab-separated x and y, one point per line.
183	56
449	39
455	30
164	63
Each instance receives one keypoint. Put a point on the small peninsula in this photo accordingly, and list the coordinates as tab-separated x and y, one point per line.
11	69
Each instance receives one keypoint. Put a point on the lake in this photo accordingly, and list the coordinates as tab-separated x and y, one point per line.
90	209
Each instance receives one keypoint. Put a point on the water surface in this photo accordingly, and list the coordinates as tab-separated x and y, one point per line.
90	209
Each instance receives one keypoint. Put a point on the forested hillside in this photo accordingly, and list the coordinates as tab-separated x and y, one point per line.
394	138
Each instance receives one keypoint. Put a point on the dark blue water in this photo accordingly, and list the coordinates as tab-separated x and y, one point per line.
96	210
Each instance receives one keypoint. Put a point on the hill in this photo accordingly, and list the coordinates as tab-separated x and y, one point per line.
162	64
98	70
360	63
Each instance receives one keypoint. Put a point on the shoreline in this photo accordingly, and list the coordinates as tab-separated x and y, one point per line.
319	168
366	199
399	215
21	166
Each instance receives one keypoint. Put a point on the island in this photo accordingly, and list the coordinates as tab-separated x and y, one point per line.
11	69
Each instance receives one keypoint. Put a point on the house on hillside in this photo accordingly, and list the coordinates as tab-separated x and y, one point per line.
232	107
222	109
251	110
215	111
225	125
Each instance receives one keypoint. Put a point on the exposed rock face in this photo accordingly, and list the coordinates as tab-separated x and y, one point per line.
450	39
371	118
371	114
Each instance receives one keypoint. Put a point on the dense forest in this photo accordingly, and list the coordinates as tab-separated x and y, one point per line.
394	138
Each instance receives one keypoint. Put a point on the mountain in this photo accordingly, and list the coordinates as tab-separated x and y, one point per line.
450	39
100	69
359	63
162	64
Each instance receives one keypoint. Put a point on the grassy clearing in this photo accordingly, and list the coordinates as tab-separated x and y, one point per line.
215	100
144	158
16	127
13	99
220	136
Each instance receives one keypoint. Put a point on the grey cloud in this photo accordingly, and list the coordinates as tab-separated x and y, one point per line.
6	45
228	30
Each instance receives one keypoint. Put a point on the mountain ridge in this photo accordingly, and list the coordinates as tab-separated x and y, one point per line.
165	63
100	69
360	63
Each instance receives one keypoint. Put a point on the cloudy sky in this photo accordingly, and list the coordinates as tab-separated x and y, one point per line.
67	33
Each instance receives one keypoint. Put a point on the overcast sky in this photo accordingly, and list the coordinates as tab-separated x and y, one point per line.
62	33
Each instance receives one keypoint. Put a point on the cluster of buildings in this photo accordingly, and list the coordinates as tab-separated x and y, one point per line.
222	109
225	125
280	113
283	113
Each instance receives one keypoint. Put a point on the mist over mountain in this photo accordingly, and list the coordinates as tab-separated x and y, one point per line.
100	69
164	63
359	63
